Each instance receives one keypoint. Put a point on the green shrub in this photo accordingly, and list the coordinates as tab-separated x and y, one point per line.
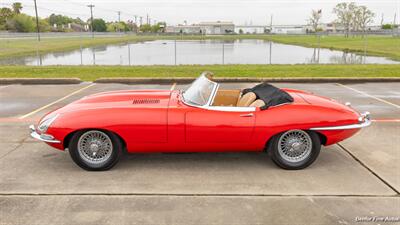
21	23
99	25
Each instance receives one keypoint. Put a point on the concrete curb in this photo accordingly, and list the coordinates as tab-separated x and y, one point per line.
183	80
40	81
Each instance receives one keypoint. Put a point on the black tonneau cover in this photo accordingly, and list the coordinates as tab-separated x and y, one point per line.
270	94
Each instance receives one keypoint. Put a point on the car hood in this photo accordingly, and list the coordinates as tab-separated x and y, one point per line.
121	99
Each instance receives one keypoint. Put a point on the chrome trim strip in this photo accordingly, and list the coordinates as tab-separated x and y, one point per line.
345	127
231	108
44	137
223	108
364	121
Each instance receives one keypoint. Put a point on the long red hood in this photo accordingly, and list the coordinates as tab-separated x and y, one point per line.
120	99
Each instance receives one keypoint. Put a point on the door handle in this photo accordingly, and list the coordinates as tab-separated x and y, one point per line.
247	115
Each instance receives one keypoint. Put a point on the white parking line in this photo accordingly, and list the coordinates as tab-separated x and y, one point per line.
59	100
368	95
173	86
386	120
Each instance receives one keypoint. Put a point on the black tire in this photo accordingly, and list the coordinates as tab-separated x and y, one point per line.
280	161
108	164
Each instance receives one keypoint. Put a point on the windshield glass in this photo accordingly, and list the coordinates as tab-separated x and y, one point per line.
199	92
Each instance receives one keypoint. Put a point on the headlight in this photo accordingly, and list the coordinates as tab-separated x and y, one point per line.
45	124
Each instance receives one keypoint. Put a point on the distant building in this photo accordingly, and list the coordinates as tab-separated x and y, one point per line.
184	29
288	29
330	27
218	27
251	29
203	28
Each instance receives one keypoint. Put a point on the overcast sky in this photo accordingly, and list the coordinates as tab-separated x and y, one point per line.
194	11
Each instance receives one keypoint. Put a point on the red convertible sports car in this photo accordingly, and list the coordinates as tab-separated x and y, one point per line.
290	125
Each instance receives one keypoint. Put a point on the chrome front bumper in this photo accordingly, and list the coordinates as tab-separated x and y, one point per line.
42	137
363	121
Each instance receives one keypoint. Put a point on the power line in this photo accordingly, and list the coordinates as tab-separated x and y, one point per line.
83	15
62	12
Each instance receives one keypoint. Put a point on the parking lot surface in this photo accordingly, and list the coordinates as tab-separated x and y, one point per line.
357	178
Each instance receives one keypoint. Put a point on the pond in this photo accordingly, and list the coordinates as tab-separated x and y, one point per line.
170	52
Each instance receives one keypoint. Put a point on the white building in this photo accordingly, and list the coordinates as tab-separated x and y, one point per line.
251	29
218	27
288	30
203	28
184	29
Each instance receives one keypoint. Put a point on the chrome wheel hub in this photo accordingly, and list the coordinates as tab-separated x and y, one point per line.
294	145
95	147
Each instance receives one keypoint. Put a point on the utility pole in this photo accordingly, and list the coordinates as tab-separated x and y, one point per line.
141	20
119	20
91	18
135	19
37	22
147	19
270	25
394	24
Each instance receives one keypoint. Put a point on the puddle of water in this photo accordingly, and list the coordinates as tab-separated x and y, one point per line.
166	52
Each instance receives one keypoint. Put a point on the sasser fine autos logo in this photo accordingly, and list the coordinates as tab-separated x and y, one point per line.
388	219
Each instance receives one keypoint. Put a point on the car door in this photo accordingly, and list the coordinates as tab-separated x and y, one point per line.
218	126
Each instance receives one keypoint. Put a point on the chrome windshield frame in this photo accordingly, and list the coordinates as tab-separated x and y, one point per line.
208	105
210	99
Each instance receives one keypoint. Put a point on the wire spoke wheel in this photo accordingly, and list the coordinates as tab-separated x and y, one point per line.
95	147
295	145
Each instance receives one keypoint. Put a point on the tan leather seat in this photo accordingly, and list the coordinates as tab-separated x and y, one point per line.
246	99
257	103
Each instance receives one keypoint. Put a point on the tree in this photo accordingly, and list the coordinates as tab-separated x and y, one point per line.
116	26
44	26
389	26
345	12
59	19
145	28
5	14
365	17
354	24
155	28
99	25
78	21
17	7
21	23
315	18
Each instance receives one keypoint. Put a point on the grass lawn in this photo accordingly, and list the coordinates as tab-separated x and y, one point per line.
90	73
376	45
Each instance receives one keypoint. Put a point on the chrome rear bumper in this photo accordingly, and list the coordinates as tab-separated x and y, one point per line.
363	121
42	137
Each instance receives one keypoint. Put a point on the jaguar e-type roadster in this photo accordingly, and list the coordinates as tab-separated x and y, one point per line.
290	125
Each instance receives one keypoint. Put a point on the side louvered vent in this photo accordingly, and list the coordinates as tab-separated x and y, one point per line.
146	101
